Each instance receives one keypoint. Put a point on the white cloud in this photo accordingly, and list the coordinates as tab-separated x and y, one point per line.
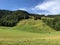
52	6
22	9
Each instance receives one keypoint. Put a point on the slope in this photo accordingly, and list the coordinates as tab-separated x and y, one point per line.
32	25
27	30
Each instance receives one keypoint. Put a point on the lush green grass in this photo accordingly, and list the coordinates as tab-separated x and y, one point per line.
29	32
26	29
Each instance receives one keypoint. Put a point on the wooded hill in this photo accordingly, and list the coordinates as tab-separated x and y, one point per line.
11	18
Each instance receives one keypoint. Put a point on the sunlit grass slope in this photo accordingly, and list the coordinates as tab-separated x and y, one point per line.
30	25
33	26
29	32
26	29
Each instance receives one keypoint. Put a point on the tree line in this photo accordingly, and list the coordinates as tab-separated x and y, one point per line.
10	18
53	22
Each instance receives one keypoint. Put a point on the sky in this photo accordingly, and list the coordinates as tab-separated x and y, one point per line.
32	6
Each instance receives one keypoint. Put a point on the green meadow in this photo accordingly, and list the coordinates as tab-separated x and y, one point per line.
29	32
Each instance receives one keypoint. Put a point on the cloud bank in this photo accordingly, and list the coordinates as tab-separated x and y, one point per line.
51	6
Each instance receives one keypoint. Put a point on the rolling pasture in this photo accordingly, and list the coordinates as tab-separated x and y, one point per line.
29	32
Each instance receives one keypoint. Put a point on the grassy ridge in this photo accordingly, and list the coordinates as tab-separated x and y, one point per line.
33	26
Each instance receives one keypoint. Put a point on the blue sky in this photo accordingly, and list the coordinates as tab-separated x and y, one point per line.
32	6
16	4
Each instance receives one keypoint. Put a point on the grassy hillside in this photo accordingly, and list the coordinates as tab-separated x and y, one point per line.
29	32
32	25
25	29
